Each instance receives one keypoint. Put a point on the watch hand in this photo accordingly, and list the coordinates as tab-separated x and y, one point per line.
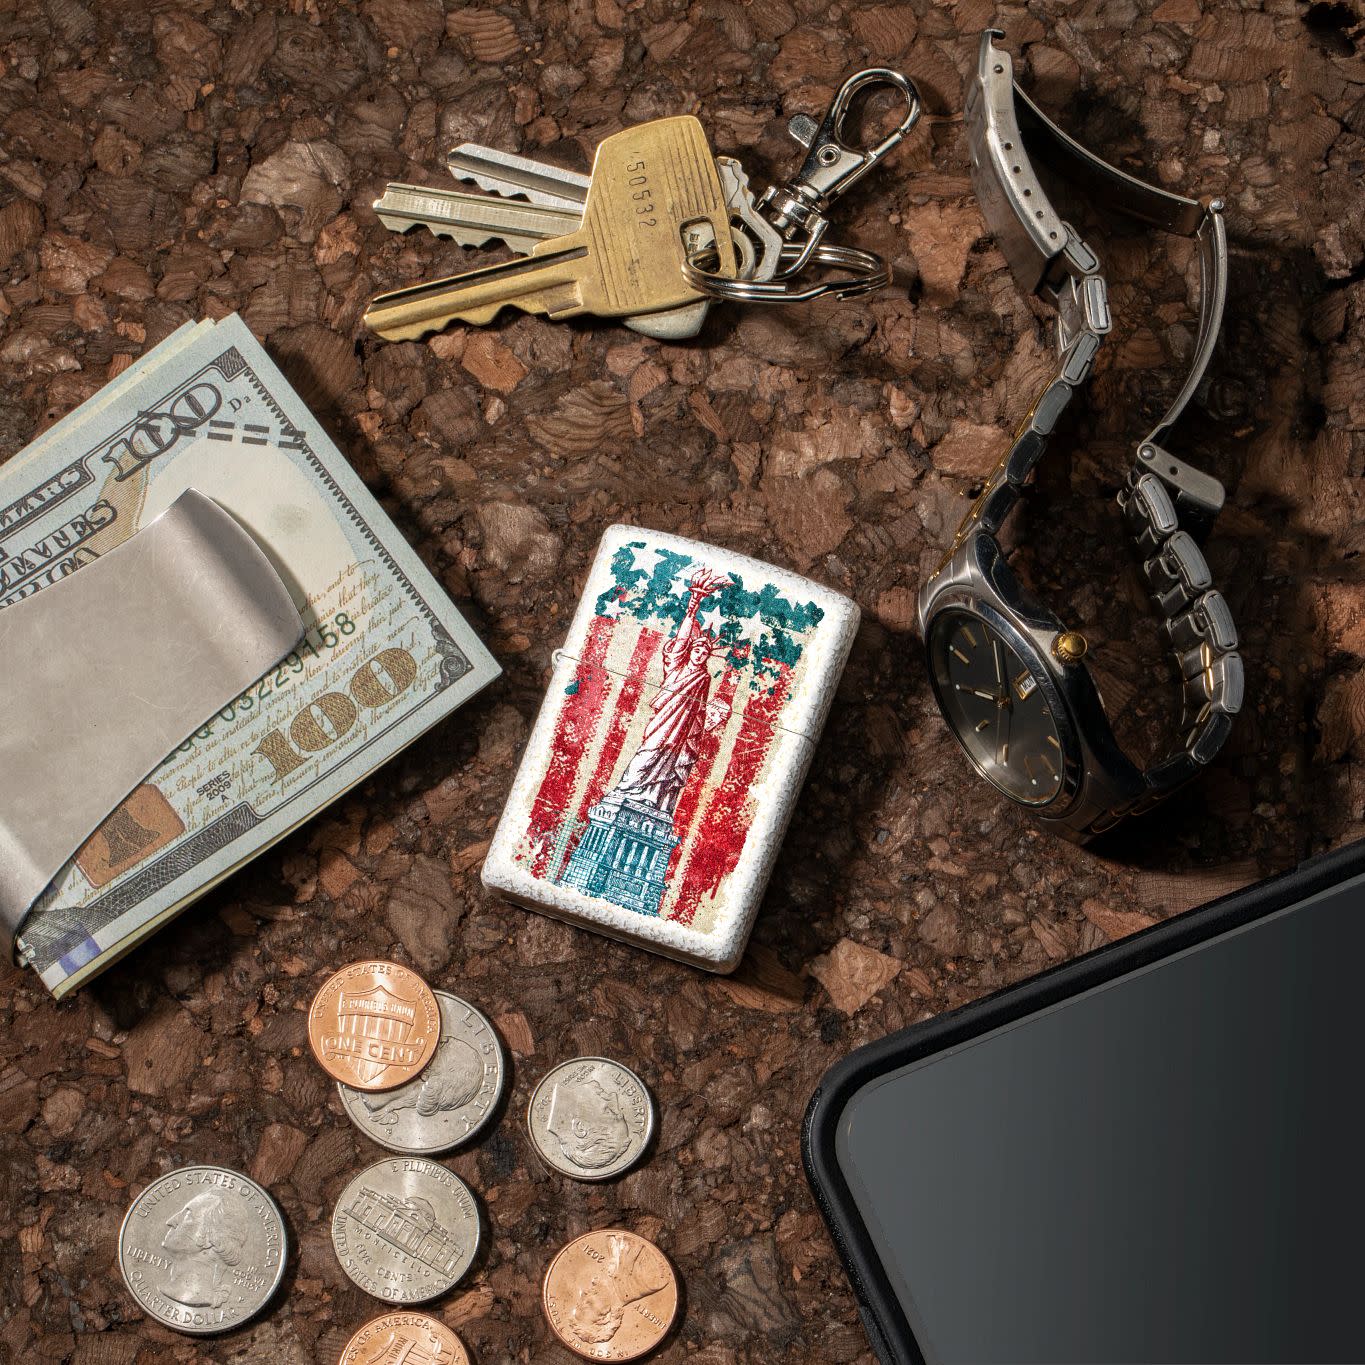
1002	745
977	692
999	668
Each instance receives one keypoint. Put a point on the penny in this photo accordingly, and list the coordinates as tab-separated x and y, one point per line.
412	1338
202	1249
591	1118
374	1025
405	1229
450	1101
610	1295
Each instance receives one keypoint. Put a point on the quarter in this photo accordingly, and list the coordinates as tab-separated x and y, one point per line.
412	1338
374	1025
450	1101
591	1118
405	1229
202	1249
610	1295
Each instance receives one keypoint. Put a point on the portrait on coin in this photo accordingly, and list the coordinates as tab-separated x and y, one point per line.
587	1122
599	1306
203	1247
449	1082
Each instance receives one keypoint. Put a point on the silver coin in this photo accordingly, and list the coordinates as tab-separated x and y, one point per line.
202	1249
450	1101
591	1118
405	1229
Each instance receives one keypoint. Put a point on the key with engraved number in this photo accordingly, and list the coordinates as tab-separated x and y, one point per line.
474	219
541	182
649	185
507	174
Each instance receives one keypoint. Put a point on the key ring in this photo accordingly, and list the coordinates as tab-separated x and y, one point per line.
869	272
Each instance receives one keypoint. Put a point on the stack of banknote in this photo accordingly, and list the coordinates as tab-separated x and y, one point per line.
385	654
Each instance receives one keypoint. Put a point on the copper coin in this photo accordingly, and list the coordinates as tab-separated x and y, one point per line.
374	1025
413	1338
610	1295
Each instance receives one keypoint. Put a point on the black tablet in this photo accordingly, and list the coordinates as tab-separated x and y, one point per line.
1154	1153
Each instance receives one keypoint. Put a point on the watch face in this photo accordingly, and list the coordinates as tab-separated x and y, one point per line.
997	709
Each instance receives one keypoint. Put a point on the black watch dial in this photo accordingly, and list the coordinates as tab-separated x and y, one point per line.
997	709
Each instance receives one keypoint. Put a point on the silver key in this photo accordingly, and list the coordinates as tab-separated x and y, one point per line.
473	219
505	173
744	206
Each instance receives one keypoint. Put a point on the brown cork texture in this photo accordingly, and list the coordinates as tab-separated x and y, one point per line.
168	161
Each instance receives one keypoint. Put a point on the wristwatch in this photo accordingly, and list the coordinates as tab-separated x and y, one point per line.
1009	677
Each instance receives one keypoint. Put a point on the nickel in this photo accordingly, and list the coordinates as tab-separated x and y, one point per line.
591	1118
405	1229
410	1338
610	1295
450	1101
202	1249
374	1025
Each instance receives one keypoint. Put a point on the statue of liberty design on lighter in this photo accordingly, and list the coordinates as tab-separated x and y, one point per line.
624	855
673	741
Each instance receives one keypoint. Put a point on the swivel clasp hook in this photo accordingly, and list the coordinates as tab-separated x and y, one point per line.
832	165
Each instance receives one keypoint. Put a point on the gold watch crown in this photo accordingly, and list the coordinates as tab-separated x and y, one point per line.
1070	647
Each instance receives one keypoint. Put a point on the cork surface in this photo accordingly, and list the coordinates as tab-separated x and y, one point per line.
164	162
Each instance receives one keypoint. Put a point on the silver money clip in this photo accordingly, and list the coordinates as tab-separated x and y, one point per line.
104	673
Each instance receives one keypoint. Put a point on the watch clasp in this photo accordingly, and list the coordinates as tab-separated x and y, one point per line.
1196	497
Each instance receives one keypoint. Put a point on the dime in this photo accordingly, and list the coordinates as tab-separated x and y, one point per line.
405	1229
610	1295
202	1249
591	1118
374	1025
412	1338
450	1101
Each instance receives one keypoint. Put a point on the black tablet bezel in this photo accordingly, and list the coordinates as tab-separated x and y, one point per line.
891	1335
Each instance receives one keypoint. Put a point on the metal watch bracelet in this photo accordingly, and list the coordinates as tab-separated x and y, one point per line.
1167	505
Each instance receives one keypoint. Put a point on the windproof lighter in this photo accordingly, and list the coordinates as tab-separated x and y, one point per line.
671	745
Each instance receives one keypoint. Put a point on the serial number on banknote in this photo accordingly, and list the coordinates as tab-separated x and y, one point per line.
328	635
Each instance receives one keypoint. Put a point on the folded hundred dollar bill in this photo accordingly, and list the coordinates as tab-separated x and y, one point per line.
385	655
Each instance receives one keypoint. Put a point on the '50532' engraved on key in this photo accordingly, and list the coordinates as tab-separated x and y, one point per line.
474	219
649	183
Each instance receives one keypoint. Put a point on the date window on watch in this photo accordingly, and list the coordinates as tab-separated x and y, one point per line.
1025	685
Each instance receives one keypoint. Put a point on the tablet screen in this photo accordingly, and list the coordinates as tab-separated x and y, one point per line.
1169	1167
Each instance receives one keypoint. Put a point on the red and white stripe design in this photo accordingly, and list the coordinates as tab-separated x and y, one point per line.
599	727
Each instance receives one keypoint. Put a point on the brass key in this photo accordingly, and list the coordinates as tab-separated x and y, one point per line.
648	183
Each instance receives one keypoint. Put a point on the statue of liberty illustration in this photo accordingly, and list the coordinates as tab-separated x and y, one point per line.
623	855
